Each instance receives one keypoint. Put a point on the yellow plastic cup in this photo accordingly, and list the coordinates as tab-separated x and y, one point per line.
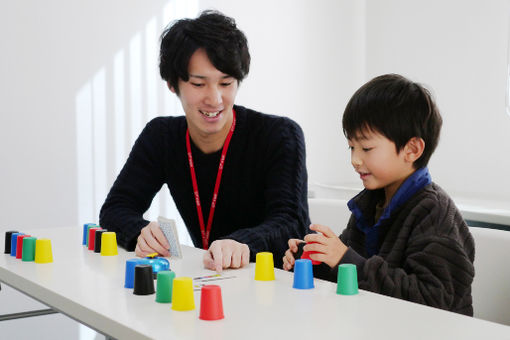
43	252
109	244
182	294
264	267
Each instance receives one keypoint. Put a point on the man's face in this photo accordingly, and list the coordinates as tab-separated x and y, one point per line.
207	97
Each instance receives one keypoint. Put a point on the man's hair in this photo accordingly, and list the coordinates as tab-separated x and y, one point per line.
225	45
397	108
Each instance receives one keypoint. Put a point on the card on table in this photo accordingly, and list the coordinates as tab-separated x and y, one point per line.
169	228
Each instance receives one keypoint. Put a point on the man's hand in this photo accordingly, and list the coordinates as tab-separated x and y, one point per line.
152	240
328	245
288	259
226	254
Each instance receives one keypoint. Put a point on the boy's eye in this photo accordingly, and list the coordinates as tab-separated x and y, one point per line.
197	84
367	149
226	84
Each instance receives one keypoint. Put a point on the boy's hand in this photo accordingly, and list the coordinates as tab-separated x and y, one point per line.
329	247
288	259
226	254
152	240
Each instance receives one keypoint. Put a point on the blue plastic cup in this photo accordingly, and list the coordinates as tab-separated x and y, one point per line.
14	243
129	281
303	274
86	232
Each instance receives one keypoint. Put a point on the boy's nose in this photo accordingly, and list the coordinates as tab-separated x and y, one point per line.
356	161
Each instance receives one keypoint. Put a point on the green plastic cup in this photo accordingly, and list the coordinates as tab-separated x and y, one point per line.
28	253
164	286
347	281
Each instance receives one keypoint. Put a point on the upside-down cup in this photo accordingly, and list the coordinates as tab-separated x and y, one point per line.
211	304
264	267
182	294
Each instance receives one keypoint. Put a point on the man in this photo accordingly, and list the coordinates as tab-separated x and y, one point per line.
237	176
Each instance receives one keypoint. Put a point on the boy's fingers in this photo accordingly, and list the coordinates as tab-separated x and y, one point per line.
326	231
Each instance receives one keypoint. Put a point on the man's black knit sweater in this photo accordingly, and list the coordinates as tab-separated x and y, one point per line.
262	200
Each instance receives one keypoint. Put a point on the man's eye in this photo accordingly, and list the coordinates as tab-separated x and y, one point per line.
226	84
367	149
197	84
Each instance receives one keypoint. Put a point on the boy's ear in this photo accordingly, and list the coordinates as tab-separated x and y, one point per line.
170	87
414	149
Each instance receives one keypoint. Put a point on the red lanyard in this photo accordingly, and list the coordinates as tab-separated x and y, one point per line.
205	234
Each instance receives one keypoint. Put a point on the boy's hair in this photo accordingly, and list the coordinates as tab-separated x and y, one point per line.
217	34
398	109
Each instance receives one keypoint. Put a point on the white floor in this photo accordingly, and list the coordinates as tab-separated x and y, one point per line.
45	327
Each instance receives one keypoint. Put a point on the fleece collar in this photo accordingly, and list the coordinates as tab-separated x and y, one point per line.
417	181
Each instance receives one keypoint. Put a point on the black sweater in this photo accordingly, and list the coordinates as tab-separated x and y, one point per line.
262	200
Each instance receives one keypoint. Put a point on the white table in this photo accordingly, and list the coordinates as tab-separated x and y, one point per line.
90	289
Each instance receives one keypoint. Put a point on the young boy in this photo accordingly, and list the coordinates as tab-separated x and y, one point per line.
405	235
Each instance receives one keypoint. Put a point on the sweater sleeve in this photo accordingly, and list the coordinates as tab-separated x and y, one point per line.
285	195
135	187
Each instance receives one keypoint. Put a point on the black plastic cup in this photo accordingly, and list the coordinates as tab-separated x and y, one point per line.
97	240
144	281
8	236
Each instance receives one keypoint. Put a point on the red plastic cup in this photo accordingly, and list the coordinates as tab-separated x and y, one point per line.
306	256
92	237
19	245
211	305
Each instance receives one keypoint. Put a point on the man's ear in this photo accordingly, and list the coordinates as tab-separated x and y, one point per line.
414	149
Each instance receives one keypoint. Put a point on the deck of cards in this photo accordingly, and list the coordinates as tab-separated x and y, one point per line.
170	231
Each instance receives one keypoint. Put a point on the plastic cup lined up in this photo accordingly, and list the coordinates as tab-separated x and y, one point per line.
144	283
8	240
28	253
303	274
43	252
182	294
347	280
164	286
108	244
264	267
211	304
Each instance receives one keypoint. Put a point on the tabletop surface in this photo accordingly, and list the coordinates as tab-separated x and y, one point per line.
90	288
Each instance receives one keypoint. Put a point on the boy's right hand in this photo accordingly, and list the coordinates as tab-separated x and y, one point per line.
288	259
152	240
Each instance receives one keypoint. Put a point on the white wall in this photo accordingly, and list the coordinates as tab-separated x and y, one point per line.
93	64
459	49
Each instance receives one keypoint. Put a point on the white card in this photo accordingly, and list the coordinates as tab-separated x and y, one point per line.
170	230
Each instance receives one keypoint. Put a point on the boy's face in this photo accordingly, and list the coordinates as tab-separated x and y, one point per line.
207	97
379	165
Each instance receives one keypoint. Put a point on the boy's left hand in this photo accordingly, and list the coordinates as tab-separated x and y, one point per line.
329	247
